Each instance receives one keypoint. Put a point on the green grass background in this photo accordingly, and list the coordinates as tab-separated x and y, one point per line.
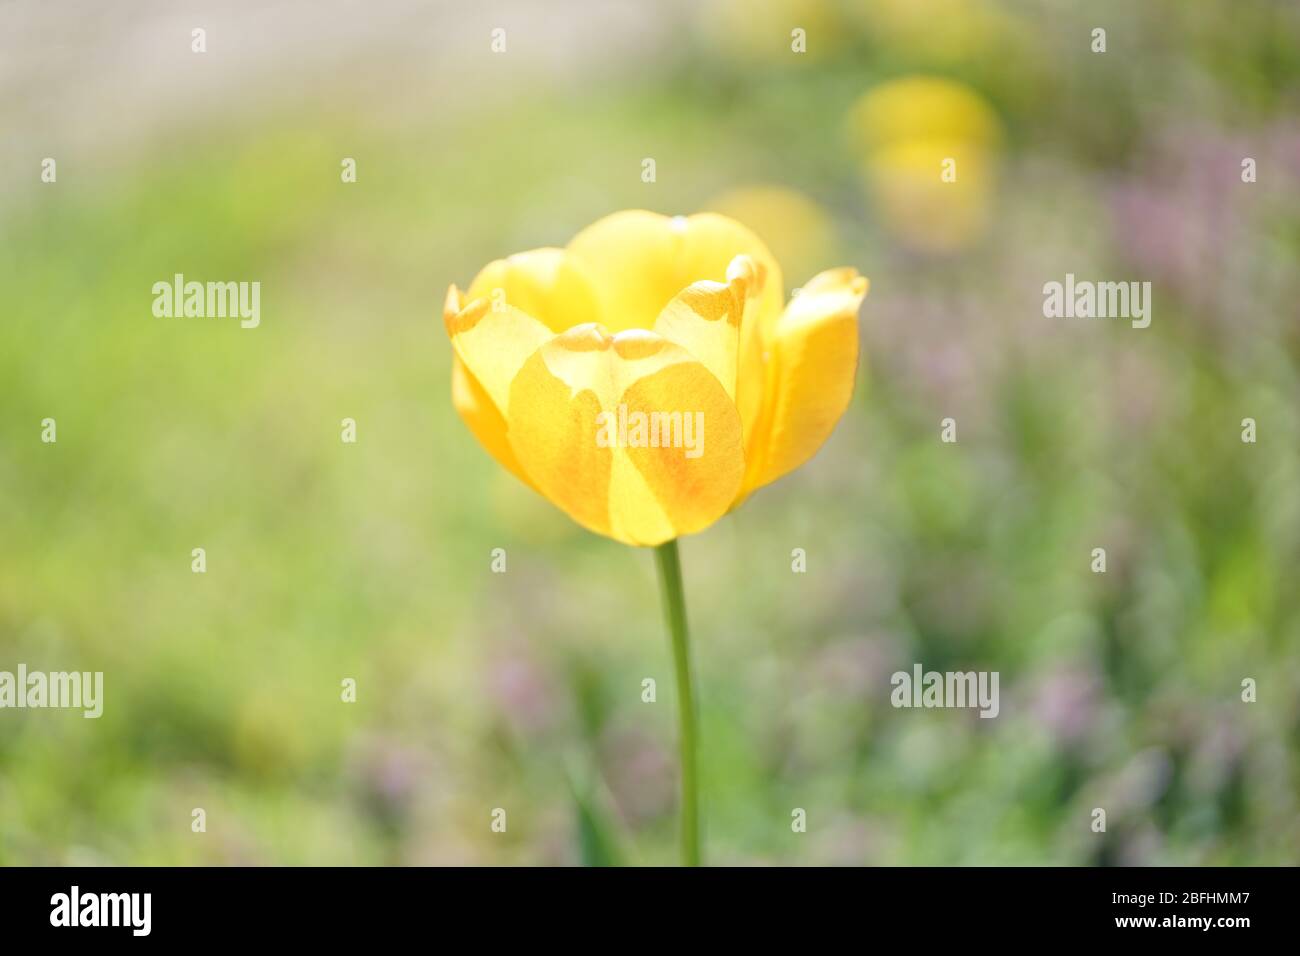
523	690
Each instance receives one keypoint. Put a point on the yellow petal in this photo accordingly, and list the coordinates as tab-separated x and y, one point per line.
704	318
812	361
486	423
638	261
548	284
474	405
565	424
452	304
751	361
494	341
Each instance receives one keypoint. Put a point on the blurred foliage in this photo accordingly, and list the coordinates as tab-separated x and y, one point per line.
523	690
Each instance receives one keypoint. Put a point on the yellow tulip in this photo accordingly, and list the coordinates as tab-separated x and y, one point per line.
643	313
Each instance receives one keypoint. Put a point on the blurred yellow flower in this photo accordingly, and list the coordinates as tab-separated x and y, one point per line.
929	148
647	378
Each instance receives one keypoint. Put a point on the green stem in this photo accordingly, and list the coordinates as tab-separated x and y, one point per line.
670	581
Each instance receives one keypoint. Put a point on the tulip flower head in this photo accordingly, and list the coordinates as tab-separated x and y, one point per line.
648	377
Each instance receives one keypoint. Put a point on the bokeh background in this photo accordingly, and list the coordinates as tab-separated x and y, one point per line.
523	690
